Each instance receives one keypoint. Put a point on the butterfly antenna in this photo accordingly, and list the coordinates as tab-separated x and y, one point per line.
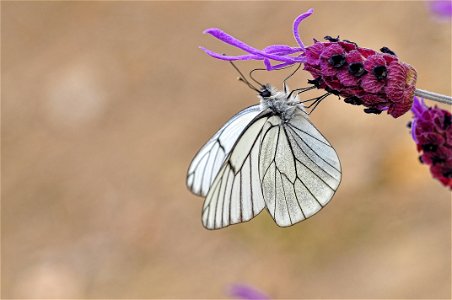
254	79
287	78
243	79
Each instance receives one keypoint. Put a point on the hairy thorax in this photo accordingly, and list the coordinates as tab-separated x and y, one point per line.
281	103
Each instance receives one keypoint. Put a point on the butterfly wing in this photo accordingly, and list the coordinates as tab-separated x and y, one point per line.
236	194
299	170
209	159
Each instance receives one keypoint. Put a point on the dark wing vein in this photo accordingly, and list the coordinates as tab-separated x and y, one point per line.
326	172
301	138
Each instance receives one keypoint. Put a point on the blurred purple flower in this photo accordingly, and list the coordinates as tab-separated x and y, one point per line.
241	291
431	130
377	80
441	8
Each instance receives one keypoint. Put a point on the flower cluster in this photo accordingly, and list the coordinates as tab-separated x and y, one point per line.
431	129
377	80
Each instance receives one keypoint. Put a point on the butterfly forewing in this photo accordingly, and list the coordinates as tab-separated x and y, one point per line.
209	159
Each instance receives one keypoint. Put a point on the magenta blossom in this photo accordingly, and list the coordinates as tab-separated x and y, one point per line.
377	80
431	130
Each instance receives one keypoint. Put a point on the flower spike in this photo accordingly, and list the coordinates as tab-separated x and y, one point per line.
377	80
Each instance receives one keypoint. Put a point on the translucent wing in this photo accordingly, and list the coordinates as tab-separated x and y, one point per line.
299	170
236	194
204	167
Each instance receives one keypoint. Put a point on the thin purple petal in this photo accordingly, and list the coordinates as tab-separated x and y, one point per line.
413	131
229	57
296	24
277	48
267	64
418	109
228	39
418	106
283	54
245	292
271	67
281	49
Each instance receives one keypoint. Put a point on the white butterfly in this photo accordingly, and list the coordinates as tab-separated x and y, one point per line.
268	155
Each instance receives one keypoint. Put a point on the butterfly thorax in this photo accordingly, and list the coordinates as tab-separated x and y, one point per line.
281	103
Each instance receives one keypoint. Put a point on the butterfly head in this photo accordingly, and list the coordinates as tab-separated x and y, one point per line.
265	91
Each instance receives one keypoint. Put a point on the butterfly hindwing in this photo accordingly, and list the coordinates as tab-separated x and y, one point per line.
299	170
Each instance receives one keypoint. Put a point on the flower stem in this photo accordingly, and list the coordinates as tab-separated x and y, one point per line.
433	96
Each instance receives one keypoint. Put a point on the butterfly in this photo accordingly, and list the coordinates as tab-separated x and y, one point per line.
270	156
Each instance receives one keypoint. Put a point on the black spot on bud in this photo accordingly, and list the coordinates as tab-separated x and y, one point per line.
337	60
357	69
331	91
388	51
409	124
372	110
429	147
316	82
332	39
447	121
437	160
420	159
353	100
380	72
448	174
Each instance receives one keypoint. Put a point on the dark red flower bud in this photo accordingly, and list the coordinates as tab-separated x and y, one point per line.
379	80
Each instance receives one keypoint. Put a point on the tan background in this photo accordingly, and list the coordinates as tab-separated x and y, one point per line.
105	103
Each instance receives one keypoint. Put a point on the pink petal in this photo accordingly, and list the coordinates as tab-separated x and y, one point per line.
371	84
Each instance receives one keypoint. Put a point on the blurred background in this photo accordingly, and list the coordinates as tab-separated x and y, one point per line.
104	105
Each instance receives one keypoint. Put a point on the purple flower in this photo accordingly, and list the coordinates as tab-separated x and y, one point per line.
441	8
241	291
377	80
431	130
279	53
